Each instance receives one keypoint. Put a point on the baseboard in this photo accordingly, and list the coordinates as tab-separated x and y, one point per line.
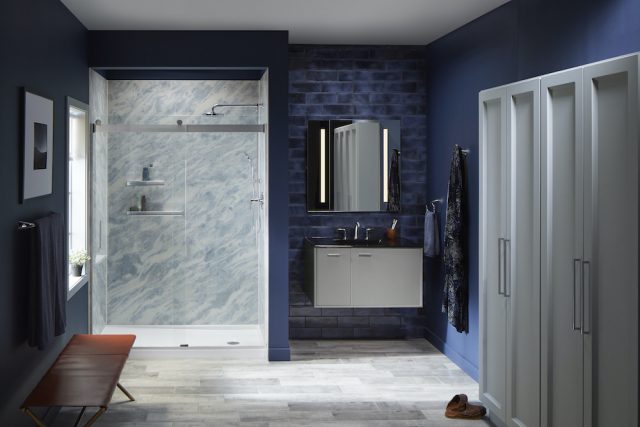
452	354
279	354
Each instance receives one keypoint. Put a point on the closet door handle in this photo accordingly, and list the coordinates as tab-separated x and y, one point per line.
585	312
507	267
500	267
577	283
334	255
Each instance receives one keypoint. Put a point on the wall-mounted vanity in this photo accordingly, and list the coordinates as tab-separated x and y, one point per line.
363	273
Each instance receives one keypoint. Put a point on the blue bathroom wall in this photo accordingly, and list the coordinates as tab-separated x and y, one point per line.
522	39
193	50
44	47
355	82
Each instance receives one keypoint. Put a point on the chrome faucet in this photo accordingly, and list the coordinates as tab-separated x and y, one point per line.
356	231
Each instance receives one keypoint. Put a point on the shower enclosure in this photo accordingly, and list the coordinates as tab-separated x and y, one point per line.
178	231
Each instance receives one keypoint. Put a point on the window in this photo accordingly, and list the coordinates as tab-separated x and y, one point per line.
78	180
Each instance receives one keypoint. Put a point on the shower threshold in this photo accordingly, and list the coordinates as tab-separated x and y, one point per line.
192	337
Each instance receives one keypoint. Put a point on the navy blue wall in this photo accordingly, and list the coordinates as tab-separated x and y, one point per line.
354	82
522	39
226	49
44	47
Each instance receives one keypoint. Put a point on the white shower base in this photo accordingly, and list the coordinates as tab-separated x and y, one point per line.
205	341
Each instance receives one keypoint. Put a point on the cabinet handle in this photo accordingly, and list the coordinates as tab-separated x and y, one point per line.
507	267
500	243
365	255
585	312
334	255
577	280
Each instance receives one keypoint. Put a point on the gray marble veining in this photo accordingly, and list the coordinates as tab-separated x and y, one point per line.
201	268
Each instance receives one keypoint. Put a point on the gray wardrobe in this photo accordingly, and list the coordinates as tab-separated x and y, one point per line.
559	248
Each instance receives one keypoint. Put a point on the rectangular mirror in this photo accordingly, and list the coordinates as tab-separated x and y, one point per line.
353	165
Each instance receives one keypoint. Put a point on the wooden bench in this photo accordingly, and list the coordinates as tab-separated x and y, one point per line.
85	374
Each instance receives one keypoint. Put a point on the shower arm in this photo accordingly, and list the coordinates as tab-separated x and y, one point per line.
213	109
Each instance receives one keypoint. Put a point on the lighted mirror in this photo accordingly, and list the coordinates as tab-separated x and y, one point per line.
353	165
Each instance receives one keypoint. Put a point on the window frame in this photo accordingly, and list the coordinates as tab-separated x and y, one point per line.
75	283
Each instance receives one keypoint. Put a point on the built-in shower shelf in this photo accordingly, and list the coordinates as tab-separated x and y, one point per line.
155	213
148	183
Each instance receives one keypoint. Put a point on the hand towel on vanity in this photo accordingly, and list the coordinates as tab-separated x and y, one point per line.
431	234
455	281
47	315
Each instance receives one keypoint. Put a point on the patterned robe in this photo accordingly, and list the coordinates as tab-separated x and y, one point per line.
455	301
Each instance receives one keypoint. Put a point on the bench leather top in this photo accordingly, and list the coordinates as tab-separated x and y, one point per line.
85	373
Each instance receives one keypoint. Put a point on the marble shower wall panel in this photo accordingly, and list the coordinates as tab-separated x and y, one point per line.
196	269
165	101
98	110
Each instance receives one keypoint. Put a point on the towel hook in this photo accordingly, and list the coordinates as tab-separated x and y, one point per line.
434	202
24	225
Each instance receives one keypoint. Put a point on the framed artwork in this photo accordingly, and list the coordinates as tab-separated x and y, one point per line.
37	146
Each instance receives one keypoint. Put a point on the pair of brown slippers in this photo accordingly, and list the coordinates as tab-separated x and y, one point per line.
459	407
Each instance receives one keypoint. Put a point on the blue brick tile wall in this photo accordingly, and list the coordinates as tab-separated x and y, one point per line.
354	82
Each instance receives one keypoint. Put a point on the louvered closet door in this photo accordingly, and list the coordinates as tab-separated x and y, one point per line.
562	249
522	283
493	228
610	264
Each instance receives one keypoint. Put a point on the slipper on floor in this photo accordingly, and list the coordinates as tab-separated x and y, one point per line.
459	407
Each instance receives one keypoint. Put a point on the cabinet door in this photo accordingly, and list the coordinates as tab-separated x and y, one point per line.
386	277
332	277
522	283
493	220
562	248
610	265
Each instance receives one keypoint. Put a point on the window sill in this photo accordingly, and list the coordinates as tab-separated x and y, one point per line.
75	284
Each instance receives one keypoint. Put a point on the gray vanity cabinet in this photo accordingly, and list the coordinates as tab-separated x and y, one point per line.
386	277
333	276
363	276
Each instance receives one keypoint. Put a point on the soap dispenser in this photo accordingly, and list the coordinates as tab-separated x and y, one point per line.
146	172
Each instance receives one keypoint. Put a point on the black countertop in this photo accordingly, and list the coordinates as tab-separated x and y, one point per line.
329	242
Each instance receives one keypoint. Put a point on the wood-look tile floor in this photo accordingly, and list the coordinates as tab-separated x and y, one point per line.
327	383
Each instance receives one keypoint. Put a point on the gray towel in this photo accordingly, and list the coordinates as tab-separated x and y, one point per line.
47	310
431	235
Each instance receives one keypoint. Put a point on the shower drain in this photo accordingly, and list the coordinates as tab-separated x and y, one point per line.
233	342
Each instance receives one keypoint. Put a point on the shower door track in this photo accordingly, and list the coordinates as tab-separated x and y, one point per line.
180	128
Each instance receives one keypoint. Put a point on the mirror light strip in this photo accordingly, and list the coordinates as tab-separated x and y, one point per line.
323	165
385	165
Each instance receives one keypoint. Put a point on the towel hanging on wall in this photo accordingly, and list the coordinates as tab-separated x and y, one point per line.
431	233
47	309
455	298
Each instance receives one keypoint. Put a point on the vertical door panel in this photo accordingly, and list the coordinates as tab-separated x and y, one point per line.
492	231
386	277
333	277
523	255
562	248
610	270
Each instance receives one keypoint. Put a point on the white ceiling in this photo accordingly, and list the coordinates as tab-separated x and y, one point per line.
417	22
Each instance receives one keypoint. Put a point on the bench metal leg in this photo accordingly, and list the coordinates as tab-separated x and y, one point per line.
96	416
77	423
34	417
124	390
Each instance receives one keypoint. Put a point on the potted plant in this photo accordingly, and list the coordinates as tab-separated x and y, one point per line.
77	260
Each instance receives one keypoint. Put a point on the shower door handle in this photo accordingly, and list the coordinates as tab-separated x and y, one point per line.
259	199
